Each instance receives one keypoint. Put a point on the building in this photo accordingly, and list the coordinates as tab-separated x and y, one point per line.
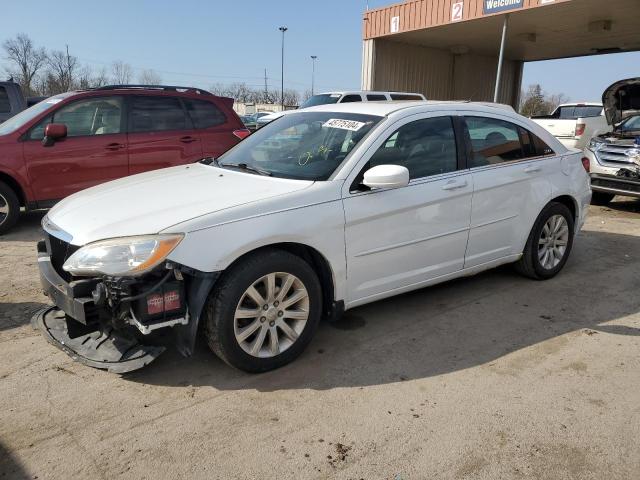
451	49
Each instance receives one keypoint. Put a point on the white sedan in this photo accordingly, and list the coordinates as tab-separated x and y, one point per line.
324	210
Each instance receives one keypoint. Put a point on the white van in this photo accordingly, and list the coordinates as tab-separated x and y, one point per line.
328	98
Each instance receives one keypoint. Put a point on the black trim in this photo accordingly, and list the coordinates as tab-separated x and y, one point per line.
462	145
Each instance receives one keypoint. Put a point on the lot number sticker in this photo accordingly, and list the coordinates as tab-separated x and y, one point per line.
457	10
343	124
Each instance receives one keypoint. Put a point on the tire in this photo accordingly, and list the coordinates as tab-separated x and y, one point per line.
9	208
224	332
601	198
531	265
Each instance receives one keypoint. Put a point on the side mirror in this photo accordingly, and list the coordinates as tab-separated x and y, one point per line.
53	132
386	176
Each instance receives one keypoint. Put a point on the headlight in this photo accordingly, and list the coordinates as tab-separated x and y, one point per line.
595	144
125	256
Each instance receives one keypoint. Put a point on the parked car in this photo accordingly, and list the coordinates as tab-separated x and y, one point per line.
251	121
12	101
256	245
79	139
344	97
574	124
614	157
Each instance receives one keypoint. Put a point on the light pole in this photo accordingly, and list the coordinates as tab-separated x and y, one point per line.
282	29
313	72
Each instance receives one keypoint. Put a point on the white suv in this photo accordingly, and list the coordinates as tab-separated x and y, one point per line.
329	98
327	209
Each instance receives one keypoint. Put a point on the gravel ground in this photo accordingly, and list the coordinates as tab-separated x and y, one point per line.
487	377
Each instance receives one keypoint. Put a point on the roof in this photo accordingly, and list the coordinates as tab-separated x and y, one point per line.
538	30
385	108
367	92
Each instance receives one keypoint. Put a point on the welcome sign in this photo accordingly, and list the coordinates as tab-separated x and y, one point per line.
494	6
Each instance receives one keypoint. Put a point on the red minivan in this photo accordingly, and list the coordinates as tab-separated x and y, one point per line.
75	140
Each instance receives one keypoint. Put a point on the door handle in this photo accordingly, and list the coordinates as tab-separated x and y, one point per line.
115	146
454	184
187	139
532	169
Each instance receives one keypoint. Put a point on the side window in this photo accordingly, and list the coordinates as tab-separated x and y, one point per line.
532	145
404	96
493	141
94	116
156	114
426	147
5	105
204	114
351	98
376	97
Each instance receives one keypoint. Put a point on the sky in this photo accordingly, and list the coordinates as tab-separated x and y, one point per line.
200	43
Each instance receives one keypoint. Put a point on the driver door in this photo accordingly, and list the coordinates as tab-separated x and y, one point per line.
94	150
398	239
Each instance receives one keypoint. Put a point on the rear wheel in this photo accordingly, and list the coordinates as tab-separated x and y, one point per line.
9	208
549	243
264	311
601	198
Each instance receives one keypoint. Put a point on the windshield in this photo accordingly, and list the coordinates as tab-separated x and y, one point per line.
303	145
14	123
323	99
631	124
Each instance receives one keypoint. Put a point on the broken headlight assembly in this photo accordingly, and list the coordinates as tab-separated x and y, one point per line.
122	257
595	144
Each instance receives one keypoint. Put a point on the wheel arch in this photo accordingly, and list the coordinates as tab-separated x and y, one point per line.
569	202
15	186
315	259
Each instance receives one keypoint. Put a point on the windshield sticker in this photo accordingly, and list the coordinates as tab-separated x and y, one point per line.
53	100
335	95
344	124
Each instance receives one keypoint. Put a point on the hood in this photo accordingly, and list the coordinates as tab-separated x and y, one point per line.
622	100
154	201
272	116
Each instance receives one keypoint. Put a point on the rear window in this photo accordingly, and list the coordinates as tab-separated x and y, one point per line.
205	114
5	106
573	112
405	96
155	114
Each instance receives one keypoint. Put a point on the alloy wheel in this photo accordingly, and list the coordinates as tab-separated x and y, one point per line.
553	242
4	209
271	314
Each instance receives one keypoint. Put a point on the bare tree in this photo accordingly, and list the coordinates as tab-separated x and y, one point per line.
537	102
121	72
149	77
61	76
26	60
306	95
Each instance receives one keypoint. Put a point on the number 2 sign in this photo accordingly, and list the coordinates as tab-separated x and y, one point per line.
456	11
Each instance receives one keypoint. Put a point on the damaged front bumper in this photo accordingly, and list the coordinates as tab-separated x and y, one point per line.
101	322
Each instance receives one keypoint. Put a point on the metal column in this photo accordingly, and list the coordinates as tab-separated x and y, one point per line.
505	26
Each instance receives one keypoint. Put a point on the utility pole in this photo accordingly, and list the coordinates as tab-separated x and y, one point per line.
266	89
503	42
282	29
313	72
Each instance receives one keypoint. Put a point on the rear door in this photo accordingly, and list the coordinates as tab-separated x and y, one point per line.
510	178
160	133
93	152
214	127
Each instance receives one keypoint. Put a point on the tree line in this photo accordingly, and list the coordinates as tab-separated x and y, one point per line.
42	72
534	101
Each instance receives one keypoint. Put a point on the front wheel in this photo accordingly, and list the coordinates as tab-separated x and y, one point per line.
264	311
9	208
601	198
549	243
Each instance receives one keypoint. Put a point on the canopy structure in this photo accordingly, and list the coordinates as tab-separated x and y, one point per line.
452	49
